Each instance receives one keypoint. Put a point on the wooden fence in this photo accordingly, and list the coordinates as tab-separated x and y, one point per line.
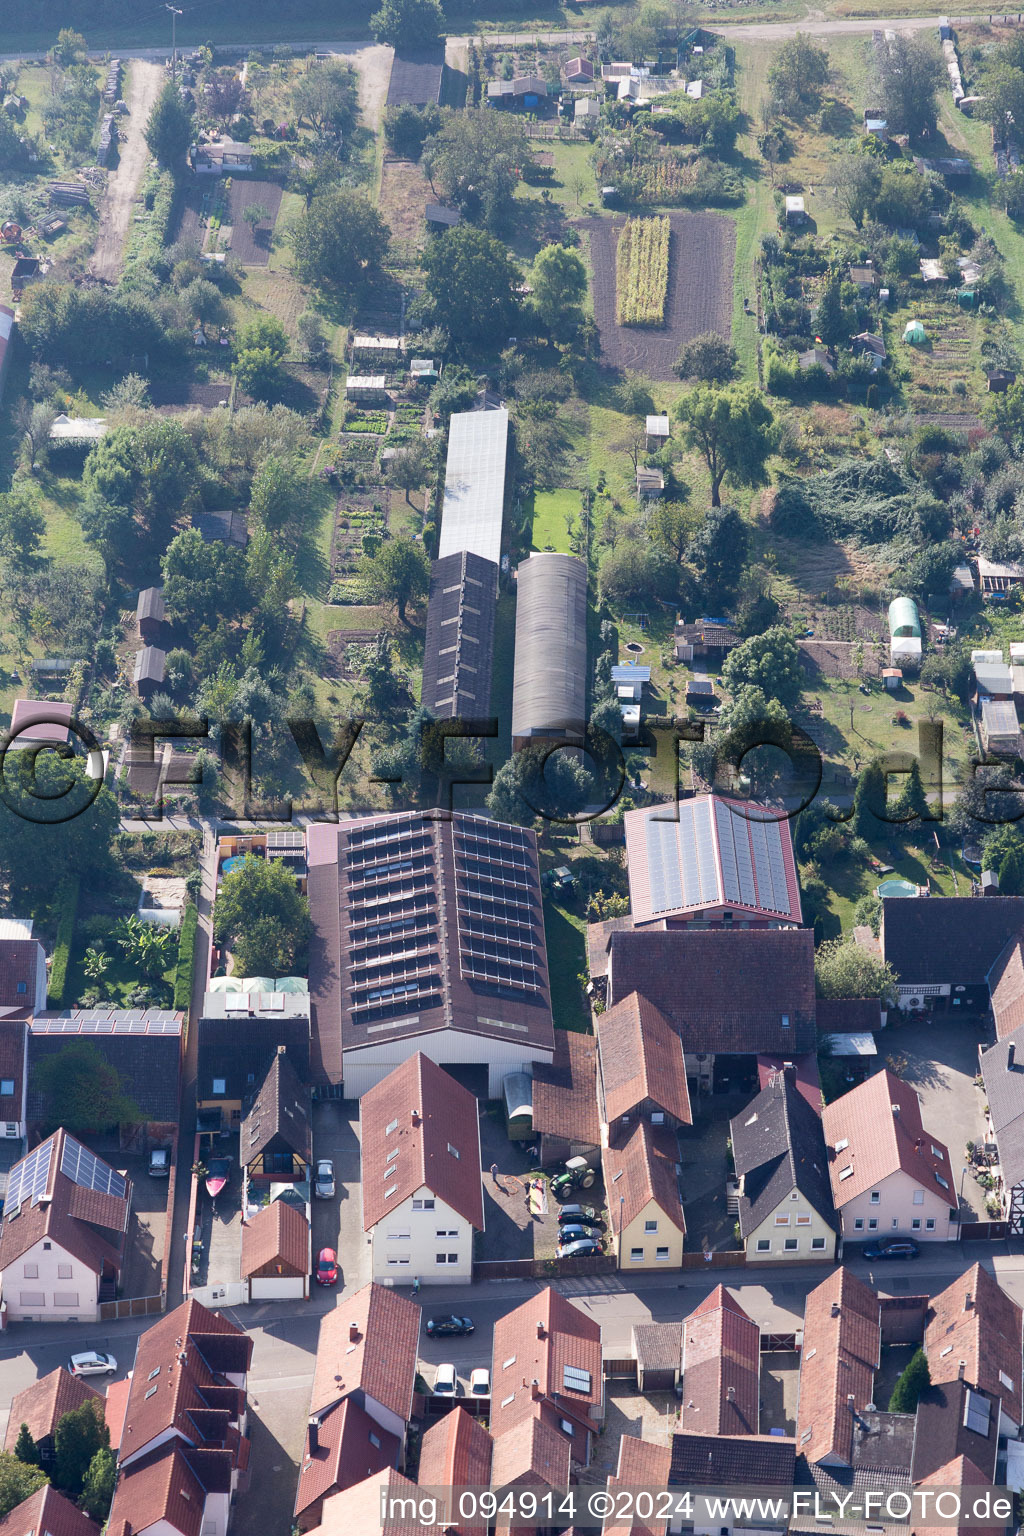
131	1306
542	1269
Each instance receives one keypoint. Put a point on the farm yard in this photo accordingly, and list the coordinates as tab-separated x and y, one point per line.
698	296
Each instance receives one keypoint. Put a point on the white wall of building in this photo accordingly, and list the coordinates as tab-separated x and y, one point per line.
903	1208
796	1222
407	1242
273	1287
365	1068
49	1285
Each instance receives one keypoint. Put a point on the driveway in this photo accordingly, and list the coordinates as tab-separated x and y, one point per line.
147	1227
145	81
704	1156
941	1063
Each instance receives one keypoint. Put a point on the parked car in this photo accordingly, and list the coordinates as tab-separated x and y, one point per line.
585	1213
895	1248
445	1381
580	1249
323	1186
92	1362
439	1327
327	1267
573	1232
159	1163
480	1382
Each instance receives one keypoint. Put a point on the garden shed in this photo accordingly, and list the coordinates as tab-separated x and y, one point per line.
914	333
904	632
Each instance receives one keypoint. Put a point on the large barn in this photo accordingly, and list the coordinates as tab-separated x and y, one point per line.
550	687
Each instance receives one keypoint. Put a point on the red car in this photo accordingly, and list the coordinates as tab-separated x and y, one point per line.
327	1267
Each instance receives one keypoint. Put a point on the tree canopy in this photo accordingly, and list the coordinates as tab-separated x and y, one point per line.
340	241
476	160
797	77
470	282
262	917
202	582
36	849
139	482
843	968
559	287
769	661
708	358
80	1433
326	96
169	130
398	573
528	785
907	77
82	1091
408	23
733	429
18	1482
913	1380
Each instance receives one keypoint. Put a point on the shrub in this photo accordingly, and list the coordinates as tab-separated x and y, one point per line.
67	903
186	957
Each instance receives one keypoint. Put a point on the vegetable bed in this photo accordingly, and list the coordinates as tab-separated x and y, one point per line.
641	271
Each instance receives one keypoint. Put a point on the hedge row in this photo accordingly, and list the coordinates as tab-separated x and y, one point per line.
67	903
186	957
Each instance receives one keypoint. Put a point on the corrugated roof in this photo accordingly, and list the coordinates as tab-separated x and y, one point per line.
550	684
458	648
474	487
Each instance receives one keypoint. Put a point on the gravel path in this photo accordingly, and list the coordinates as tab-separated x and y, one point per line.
144	83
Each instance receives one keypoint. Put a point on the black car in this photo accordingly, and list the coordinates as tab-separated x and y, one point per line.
440	1327
581	1249
580	1213
896	1248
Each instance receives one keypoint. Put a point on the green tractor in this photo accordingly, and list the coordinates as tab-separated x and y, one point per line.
578	1175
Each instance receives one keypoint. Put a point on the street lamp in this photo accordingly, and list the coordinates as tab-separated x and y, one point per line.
175	13
960	1206
622	1205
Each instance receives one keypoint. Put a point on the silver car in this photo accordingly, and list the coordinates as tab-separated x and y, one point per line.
323	1185
92	1362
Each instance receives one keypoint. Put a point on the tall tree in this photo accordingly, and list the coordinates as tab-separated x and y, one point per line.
857	180
263	917
80	1433
470	282
202	582
339	241
707	358
908	76
149	468
527	786
25	1447
476	160
280	497
410	466
915	1379
98	1489
18	1482
82	1092
398	573
22	526
408	23
326	95
719	553
169	130
733	429
843	968
769	661
799	73
559	288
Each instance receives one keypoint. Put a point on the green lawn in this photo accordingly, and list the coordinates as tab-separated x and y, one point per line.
121	977
567	961
553	511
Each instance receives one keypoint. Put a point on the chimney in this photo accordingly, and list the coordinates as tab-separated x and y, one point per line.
1010	1052
353	1331
850	1400
968	1302
895	1108
415	1117
314	1434
540	1328
836	1309
535	1391
731	1394
961	1368
281	1050
918	1144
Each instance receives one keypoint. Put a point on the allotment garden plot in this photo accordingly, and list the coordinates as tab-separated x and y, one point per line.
699	291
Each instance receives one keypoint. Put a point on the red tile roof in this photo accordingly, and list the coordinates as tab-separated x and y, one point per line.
276	1240
433	1123
13	1041
531	1451
805	1074
641	1058
565	1092
350	1447
384	1329
116	1407
456	1452
542	1339
184	1356
880	1120
721	1368
975	1321
709	984
640	1465
160	1487
20	960
356	1512
65	1218
1006	988
47	1513
44	1402
642	1170
841	1352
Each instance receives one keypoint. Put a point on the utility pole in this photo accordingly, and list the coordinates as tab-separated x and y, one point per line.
175	13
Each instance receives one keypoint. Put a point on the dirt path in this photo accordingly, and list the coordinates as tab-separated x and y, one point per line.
372	61
144	83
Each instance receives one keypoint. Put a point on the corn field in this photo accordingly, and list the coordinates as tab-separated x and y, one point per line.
641	272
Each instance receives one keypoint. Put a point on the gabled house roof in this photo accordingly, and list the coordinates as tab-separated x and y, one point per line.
161	1488
565	1090
280	1112
876	1130
357	1510
241	1057
45	1199
840	1354
728	1460
456	1452
151	605
350	1446
20	960
955	939
144	1051
45	1402
13	1057
1006	987
186	1357
550	1340
641	1057
532	1451
384	1328
778	1146
973	1320
721	1368
47	1513
420	1129
641	1464
710	985
955	1420
643	1170
277	1234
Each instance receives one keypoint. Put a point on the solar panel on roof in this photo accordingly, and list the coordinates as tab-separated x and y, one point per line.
87	1170
707	868
28	1179
663	864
